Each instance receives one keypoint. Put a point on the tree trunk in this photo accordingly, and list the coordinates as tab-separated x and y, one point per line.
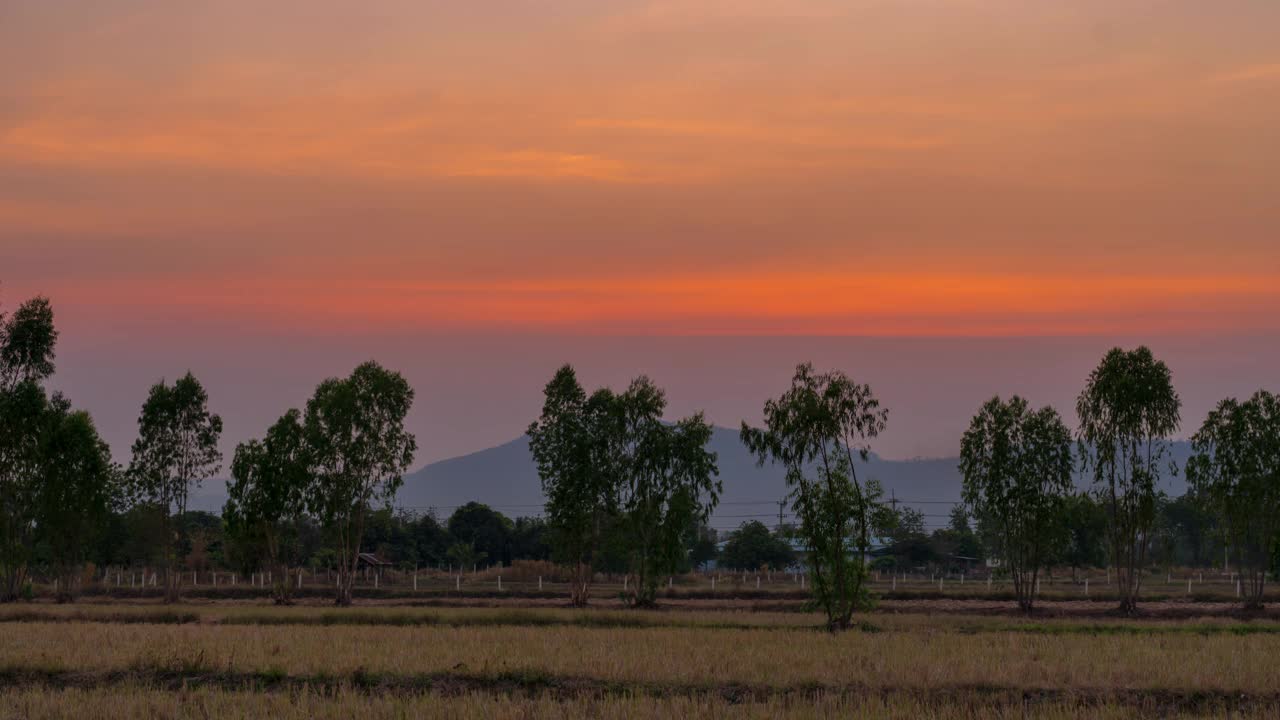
171	567
281	588
580	585
68	585
346	581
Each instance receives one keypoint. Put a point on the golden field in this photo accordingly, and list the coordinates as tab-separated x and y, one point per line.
241	660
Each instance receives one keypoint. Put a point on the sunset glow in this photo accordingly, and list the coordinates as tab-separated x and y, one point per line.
938	168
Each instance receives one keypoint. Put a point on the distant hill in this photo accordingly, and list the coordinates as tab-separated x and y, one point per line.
504	478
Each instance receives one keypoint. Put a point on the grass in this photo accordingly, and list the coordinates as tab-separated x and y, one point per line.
920	658
142	701
241	660
303	615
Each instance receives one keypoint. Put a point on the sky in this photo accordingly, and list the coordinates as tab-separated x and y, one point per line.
944	198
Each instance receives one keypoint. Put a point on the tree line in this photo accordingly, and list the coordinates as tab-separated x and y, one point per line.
629	491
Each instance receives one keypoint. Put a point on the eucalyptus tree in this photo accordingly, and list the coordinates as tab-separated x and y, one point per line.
267	495
176	450
1127	411
569	445
359	450
667	483
817	430
1016	465
1236	467
27	341
80	485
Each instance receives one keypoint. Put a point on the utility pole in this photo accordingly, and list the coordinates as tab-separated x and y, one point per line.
781	505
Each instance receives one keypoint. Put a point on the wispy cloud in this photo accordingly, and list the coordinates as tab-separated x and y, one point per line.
1251	73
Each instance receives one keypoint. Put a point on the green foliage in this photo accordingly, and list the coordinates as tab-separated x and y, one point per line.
405	538
701	545
1236	470
529	540
268	490
1127	411
481	527
465	556
1017	466
569	444
957	545
79	486
1085	542
27	340
23	410
753	547
359	450
814	430
667	483
910	546
609	462
176	449
1196	535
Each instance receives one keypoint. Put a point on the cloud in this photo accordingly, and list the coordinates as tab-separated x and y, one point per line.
751	302
1262	72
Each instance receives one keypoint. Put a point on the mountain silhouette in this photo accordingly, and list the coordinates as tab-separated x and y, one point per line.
504	477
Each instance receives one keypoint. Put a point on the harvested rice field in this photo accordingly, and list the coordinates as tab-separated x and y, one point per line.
251	659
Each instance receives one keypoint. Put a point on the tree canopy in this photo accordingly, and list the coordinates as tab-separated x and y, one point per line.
754	547
1016	465
359	450
176	450
815	430
570	446
269	486
1127	411
1236	469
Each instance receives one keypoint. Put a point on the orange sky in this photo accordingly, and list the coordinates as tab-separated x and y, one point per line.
932	167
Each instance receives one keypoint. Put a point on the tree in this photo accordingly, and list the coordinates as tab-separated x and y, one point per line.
78	489
909	546
27	340
570	443
1127	411
815	430
359	451
528	540
1195	527
1085	543
268	492
465	555
23	411
957	545
1236	468
753	547
176	450
701	545
1017	465
667	484
483	528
